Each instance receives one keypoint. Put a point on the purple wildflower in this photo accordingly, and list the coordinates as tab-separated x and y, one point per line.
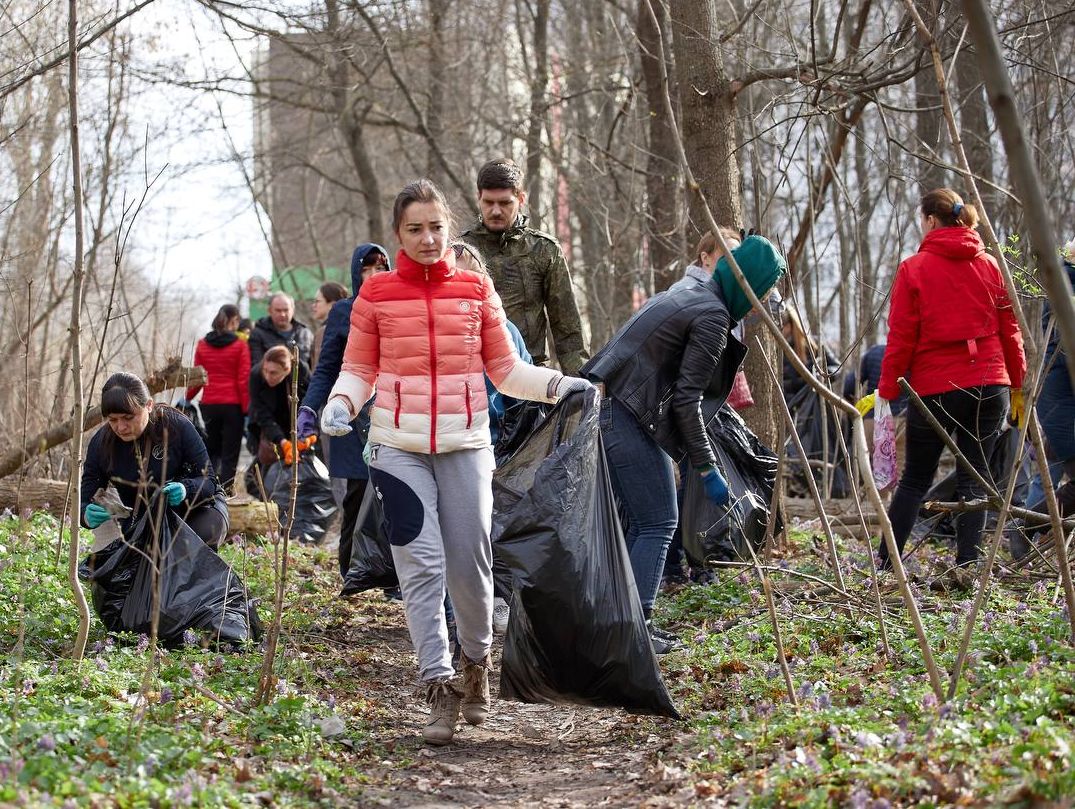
929	702
197	672
189	638
823	701
860	799
1033	647
166	695
46	743
102	664
806	689
331	702
143	644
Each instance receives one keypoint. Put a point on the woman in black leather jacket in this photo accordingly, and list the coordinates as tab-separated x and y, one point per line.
666	373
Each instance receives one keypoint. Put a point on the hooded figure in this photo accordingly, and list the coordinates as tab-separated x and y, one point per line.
345	459
666	373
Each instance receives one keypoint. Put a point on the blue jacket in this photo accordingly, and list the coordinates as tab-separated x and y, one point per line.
345	459
1053	347
497	403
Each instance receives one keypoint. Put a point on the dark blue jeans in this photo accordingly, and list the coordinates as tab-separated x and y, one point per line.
973	417
643	478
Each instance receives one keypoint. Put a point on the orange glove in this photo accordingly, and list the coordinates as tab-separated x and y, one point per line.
292	452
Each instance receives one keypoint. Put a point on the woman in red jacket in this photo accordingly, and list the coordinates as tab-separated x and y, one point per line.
421	337
226	397
952	333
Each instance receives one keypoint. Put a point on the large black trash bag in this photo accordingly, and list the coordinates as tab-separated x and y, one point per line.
314	505
520	419
198	590
371	553
713	533
576	632
812	421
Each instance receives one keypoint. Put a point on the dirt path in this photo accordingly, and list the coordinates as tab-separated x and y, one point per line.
524	755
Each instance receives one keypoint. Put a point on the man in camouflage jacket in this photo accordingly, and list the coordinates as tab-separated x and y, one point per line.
528	268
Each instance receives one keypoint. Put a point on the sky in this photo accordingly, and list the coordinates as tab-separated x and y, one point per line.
199	228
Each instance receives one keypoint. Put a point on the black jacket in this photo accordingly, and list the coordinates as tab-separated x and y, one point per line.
673	365
265	336
270	411
187	462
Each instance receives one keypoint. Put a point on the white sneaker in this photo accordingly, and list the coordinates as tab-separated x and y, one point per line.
501	612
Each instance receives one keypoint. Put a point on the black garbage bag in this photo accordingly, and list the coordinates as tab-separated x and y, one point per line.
724	534
576	632
198	590
314	505
372	566
520	419
813	421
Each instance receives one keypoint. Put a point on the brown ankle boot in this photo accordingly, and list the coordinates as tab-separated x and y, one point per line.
443	698
476	688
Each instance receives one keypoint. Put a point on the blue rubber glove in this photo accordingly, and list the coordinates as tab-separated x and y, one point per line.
306	424
174	492
96	515
716	488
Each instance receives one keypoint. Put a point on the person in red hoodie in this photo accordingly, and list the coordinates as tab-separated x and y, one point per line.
226	397
953	334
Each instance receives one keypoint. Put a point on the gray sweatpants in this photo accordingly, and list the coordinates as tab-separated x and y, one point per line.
438	513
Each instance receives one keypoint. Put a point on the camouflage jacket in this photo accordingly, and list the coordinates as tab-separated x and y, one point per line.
530	273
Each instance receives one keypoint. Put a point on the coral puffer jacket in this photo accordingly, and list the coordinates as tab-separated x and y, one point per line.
950	323
226	360
424	335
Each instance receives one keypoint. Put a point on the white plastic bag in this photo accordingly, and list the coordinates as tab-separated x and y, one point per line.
885	472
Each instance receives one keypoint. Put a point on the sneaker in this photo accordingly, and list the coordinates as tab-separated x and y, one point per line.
475	703
501	613
443	698
663	641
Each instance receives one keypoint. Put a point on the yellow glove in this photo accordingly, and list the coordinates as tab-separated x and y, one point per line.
1017	416
866	403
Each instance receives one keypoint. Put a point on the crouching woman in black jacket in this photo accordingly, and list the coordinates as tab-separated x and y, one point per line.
666	373
145	447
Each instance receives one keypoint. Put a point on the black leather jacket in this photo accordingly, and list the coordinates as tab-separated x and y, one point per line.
672	365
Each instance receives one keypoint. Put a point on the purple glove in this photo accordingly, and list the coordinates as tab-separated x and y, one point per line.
307	422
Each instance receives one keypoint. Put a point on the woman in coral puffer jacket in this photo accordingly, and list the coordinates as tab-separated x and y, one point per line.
226	397
954	336
421	337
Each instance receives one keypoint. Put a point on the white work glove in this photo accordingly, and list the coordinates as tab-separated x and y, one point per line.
336	417
570	384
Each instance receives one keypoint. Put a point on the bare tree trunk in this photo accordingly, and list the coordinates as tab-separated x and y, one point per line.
707	107
663	175
539	85
75	514
438	16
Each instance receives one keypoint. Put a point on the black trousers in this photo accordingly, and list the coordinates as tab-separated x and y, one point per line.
352	502
224	440
973	417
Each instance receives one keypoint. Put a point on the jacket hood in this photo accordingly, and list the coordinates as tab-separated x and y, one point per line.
358	257
440	270
220	339
957	242
762	265
267	324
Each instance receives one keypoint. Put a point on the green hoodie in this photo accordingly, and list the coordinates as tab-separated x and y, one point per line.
761	264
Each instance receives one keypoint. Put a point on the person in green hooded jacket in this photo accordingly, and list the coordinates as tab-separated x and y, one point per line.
666	373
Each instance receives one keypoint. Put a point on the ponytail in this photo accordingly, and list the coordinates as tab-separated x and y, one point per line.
951	211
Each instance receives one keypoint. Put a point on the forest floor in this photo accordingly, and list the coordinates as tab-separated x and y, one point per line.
344	727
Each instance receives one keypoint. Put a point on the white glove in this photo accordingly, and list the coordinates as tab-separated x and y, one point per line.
336	417
570	384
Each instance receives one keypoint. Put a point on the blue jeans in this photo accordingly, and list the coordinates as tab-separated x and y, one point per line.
643	479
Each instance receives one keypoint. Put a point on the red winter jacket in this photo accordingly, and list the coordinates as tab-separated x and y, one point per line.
226	360
950	323
421	337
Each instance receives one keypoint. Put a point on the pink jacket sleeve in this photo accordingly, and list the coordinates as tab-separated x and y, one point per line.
193	390
505	369
243	377
361	357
